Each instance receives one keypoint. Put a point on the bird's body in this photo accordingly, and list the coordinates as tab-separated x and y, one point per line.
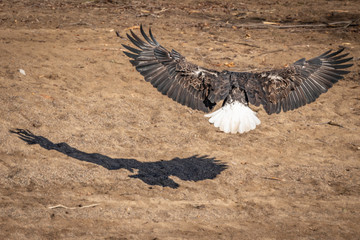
199	88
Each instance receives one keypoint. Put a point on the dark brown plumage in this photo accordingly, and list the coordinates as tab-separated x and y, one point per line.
199	88
298	84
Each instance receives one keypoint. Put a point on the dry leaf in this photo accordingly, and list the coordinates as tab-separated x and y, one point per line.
230	64
46	96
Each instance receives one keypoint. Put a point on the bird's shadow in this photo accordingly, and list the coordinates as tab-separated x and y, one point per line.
194	168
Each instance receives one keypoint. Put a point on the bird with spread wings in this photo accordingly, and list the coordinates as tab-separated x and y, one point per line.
200	88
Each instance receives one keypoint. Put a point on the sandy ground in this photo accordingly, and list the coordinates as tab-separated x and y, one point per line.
108	157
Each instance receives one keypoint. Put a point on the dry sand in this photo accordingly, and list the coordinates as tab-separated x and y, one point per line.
125	162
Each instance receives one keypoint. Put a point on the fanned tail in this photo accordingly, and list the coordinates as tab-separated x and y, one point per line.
234	117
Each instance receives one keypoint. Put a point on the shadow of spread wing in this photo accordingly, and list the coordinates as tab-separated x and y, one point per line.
298	84
169	72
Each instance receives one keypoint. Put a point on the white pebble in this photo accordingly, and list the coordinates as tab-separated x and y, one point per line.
22	71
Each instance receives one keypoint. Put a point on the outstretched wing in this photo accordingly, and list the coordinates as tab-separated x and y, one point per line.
169	72
298	84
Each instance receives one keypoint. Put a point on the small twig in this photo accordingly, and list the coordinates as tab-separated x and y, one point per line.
160	11
344	24
335	124
75	24
273	178
102	49
79	24
247	44
328	123
62	206
274	51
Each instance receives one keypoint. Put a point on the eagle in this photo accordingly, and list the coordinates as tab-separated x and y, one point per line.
201	88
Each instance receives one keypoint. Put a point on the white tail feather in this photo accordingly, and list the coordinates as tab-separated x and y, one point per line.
234	117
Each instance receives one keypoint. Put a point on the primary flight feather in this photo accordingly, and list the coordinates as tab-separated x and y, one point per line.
200	88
